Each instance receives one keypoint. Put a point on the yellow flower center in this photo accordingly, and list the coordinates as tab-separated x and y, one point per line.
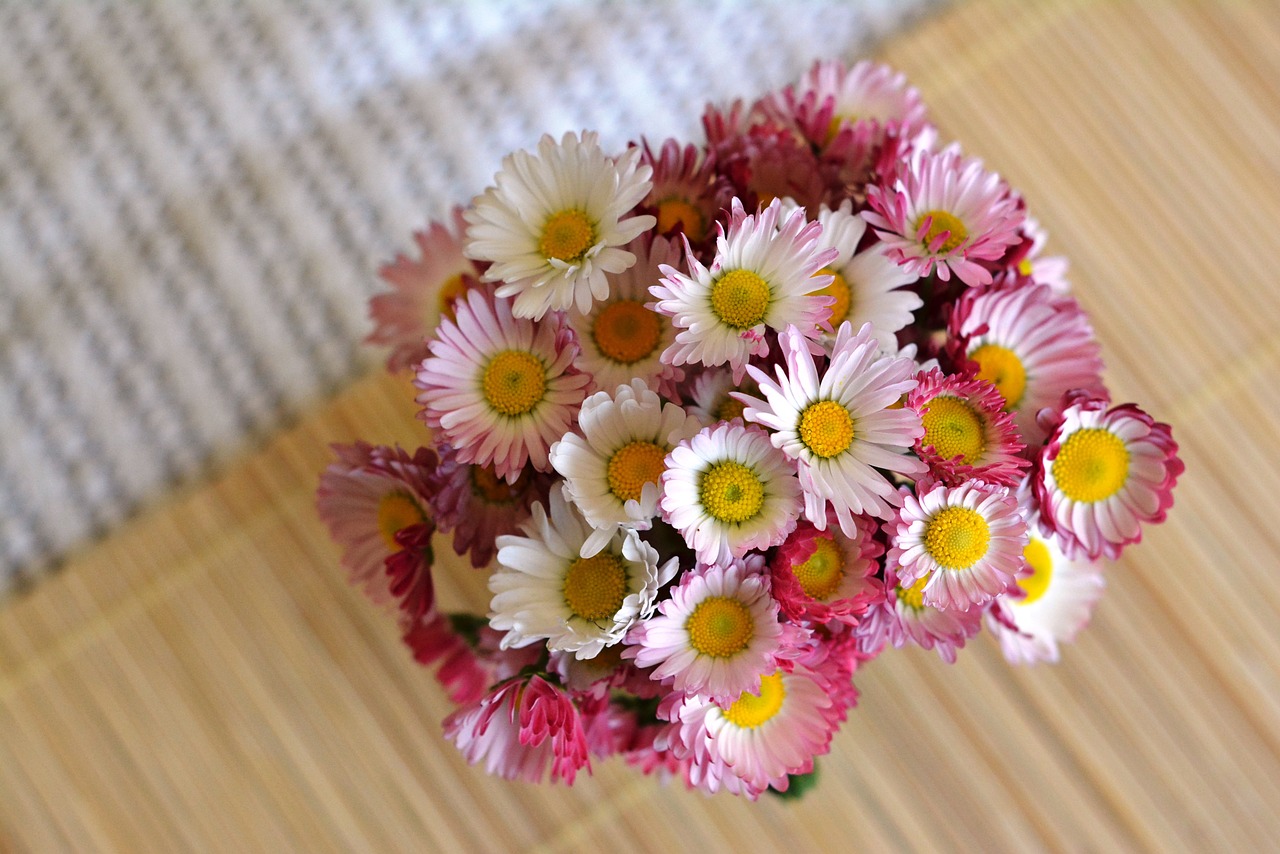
720	627
954	429
740	298
750	711
1041	562
730	409
913	596
942	221
397	511
957	537
594	587
1092	465
1001	367
821	574
452	288
632	466
676	211
626	332
567	235
826	428
843	293
1024	267
515	381
731	492
495	490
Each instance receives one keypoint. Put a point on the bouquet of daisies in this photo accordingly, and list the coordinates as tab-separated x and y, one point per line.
724	422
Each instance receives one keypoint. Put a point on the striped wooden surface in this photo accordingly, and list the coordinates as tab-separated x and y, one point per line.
205	680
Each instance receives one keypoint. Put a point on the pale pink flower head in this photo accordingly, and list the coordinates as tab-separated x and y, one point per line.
519	729
687	194
821	576
1102	474
967	433
903	616
944	212
478	506
422	292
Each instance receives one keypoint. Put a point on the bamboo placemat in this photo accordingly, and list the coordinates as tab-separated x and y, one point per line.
205	680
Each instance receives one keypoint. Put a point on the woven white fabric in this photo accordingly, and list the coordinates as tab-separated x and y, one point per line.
194	198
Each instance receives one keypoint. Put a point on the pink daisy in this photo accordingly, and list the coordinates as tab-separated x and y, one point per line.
904	616
1033	346
716	635
478	506
966	543
944	211
501	389
433	640
687	194
423	291
366	497
821	575
967	433
1103	472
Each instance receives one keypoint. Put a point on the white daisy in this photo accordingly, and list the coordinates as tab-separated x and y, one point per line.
612	470
727	490
544	589
553	225
764	276
838	426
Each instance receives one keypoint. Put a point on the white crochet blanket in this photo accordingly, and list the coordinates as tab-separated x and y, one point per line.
194	197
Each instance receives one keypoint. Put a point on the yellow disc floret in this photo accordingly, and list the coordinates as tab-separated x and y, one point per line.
450	290
941	221
750	711
1041	563
729	409
957	537
826	428
594	587
731	492
567	235
676	211
632	466
740	298
913	596
626	332
1001	367
515	381
720	627
1092	465
843	293
397	511
821	574
954	429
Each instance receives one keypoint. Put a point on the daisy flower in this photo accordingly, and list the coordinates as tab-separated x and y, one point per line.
967	433
821	575
423	291
903	616
543	589
370	494
499	388
1032	345
612	469
866	285
944	212
711	401
764	276
622	338
716	635
1053	602
478	506
686	194
965	542
553	227
838	427
1102	473
754	742
728	490
433	639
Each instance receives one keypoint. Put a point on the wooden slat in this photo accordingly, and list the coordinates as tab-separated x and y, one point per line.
205	680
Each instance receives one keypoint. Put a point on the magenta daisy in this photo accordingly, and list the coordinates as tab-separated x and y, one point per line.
368	496
423	291
903	616
821	576
764	276
728	490
967	433
1033	346
554	225
944	212
965	542
839	427
1102	474
500	389
716	635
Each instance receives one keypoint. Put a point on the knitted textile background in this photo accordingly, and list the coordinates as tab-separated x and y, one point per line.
194	198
